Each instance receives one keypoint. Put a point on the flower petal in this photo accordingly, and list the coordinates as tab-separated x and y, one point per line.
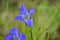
22	36
23	10
20	18
29	22
32	11
14	31
9	37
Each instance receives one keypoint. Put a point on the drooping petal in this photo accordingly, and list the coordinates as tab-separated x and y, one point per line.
29	22
14	31
32	11
9	37
20	18
23	10
22	36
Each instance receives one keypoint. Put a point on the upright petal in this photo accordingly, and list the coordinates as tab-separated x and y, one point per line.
20	18
23	10
22	36
29	22
32	11
9	37
14	31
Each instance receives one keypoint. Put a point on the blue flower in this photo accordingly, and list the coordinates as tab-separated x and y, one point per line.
15	36
25	15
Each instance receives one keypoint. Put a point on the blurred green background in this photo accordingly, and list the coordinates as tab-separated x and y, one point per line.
46	19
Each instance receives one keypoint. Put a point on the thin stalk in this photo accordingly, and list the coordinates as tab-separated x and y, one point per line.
7	5
48	36
30	30
31	34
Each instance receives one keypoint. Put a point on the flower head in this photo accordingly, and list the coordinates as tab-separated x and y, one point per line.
25	15
15	36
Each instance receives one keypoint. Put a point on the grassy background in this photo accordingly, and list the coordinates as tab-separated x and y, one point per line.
46	19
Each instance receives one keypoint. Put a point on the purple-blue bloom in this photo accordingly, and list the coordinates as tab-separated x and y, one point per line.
25	15
14	35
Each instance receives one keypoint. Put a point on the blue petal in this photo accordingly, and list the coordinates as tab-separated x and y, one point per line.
23	10
14	31
22	36
30	22
20	18
9	37
32	11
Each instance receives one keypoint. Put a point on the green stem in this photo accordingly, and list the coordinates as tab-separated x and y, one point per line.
30	30
31	34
